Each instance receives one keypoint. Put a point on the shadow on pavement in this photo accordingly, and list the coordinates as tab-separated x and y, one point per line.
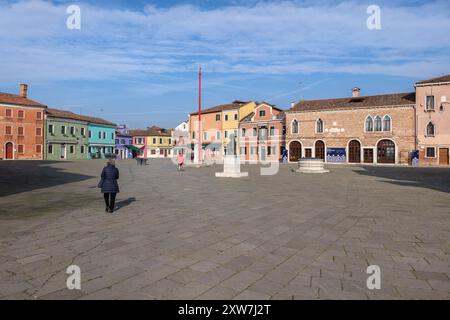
125	203
22	176
430	178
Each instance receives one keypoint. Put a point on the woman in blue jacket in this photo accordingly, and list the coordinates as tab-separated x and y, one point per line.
109	185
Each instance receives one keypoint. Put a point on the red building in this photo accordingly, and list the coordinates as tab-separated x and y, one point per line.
21	127
262	134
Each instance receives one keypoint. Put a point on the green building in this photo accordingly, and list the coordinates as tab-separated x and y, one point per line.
66	136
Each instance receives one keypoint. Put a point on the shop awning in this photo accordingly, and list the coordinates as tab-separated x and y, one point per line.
133	148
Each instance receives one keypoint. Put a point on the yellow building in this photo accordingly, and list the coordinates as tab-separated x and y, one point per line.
154	142
218	124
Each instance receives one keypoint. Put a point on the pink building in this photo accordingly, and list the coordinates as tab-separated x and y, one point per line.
262	134
433	120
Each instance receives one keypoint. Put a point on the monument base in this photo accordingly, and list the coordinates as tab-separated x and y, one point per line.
231	168
311	165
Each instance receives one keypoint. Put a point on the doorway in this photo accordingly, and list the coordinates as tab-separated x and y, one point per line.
9	151
368	155
354	151
320	150
386	151
443	156
63	151
295	151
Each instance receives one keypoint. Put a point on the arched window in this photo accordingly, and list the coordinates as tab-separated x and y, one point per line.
369	124
386	123
430	129
377	123
295	126
319	126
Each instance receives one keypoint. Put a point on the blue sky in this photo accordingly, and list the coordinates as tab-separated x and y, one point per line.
135	62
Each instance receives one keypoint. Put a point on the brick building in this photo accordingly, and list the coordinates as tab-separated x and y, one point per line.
261	134
433	120
358	129
21	127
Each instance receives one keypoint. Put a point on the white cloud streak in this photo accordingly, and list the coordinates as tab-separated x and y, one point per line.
265	38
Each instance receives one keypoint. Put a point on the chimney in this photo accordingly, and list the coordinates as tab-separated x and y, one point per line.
355	92
23	90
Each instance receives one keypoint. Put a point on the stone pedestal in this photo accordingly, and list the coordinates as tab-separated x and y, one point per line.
311	165
231	168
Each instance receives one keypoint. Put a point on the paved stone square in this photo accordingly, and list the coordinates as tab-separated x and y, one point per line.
190	235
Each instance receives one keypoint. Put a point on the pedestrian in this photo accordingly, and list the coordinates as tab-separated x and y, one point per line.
285	156
180	160
109	185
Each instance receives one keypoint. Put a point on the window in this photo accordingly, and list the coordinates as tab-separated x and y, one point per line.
272	131
20	131
387	123
20	148
262	113
243	132
112	135
430	129
295	126
82	131
170	141
63	129
8	130
161	140
319	126
99	135
369	124
104	135
72	149
243	150
39	115
255	132
205	136
72	131
253	150
50	129
38	148
153	151
50	149
82	149
218	117
90	134
226	134
38	132
218	135
226	117
21	114
193	134
431	152
8	113
154	140
377	123
429	103
271	151
235	116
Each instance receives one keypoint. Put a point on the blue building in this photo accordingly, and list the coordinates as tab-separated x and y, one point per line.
102	138
124	144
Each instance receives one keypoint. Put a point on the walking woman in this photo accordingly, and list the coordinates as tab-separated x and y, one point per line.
180	160
109	185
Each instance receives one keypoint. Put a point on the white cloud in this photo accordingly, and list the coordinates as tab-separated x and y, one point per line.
267	38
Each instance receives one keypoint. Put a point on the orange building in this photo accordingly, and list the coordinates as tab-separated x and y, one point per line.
21	127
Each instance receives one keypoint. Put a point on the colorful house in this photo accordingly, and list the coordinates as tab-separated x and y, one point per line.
66	136
124	143
433	121
102	138
154	142
21	127
262	134
218	124
180	137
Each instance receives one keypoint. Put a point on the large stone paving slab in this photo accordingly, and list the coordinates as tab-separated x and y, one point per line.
190	235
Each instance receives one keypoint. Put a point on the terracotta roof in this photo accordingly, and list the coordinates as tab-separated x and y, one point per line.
70	115
384	100
19	100
152	131
248	118
223	107
445	78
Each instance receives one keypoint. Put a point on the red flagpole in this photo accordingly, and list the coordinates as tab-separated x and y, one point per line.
200	115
